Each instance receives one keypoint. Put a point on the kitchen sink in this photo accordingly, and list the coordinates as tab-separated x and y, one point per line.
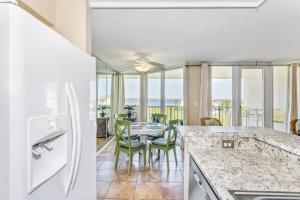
257	195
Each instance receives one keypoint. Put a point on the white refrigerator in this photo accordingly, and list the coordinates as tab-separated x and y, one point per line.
47	112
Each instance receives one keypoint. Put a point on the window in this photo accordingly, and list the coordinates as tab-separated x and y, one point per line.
132	92
280	97
154	94
174	94
104	91
221	91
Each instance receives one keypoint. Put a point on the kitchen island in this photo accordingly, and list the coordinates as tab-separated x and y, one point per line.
261	159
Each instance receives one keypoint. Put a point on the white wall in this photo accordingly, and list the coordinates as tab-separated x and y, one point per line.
70	18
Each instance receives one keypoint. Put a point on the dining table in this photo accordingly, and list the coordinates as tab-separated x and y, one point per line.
144	129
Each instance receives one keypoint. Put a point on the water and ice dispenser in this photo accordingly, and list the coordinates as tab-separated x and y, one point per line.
47	148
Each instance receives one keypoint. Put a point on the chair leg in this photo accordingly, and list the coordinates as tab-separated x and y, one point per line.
150	155
116	148
117	159
158	151
167	153
145	156
174	149
129	163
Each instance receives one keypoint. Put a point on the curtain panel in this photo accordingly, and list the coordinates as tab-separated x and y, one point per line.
117	101
197	93
143	97
293	95
205	91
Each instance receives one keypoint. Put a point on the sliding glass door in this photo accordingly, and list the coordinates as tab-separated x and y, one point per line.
252	97
242	95
221	93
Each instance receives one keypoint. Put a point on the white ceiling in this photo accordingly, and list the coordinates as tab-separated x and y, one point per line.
176	36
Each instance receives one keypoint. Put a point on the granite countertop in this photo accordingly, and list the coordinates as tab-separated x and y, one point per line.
262	160
288	142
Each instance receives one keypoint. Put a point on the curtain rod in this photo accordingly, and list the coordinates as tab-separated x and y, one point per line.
240	65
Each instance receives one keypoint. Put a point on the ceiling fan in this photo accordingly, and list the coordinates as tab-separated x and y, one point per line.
142	64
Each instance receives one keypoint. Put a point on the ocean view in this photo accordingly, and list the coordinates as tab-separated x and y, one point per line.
155	102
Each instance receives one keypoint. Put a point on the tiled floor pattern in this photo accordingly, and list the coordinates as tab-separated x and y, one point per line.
143	183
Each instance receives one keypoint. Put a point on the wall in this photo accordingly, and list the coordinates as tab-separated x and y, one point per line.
70	18
42	9
193	87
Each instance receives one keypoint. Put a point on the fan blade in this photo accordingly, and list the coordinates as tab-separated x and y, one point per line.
155	64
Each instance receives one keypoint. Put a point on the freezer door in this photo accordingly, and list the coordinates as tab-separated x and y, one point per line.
41	62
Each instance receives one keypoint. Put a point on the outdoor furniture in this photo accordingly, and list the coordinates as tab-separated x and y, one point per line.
209	121
158	118
166	144
293	128
126	144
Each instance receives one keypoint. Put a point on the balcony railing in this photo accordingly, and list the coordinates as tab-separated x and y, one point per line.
172	112
223	113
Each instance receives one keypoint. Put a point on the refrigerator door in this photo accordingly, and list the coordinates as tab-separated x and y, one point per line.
40	63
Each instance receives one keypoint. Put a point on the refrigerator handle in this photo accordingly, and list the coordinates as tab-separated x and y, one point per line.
74	138
79	136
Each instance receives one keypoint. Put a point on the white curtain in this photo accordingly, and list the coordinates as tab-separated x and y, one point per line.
143	97
117	100
205	94
199	78
293	91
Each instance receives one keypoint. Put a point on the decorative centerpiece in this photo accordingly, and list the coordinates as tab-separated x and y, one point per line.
129	109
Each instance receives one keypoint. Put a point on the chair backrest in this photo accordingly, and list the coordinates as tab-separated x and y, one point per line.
159	118
293	126
172	133
122	127
209	121
121	116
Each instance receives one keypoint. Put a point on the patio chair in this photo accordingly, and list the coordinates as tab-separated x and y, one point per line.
209	121
293	128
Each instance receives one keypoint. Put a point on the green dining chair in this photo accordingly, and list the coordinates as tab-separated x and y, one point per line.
124	116
166	144
158	118
126	144
121	116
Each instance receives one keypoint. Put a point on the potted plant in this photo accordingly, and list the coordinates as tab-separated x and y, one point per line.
103	109
129	109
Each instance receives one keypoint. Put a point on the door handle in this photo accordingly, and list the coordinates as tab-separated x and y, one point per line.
79	142
197	179
74	138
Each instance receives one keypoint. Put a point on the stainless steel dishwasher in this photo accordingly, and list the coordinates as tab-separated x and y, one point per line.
199	188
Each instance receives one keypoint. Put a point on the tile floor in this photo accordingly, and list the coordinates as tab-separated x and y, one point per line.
143	183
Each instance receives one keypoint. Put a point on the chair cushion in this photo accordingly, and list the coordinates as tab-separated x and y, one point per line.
134	144
155	136
161	142
134	137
